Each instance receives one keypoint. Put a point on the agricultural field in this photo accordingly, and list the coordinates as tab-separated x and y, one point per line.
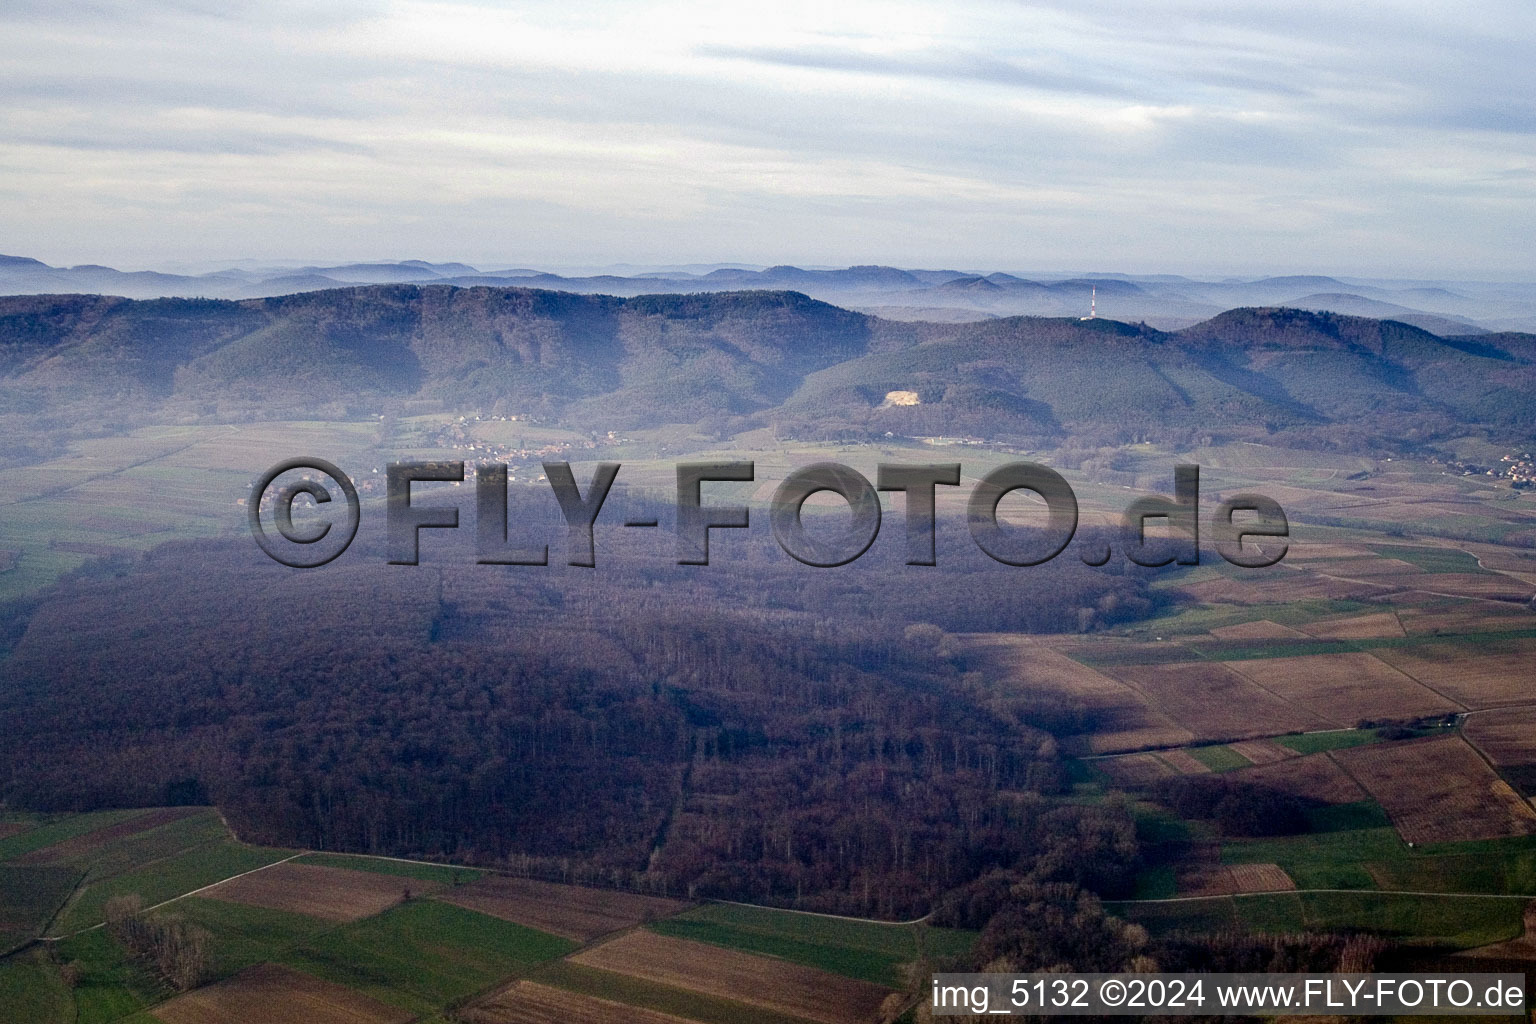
1226	879
867	950
572	912
442	874
1312	675
527	1002
32	991
1214	702
1438	790
1262	751
135	491
1358	627
1455	921
775	985
1184	762
332	937
88	845
58	873
1490	672
1506	736
39	832
271	992
111	986
666	1000
1343	689
335	894
1258	629
1314	777
424	954
1022	667
1331	739
144	846
29	897
244	936
1134	771
166	879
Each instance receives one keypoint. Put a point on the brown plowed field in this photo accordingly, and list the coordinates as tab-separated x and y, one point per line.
1022	665
758	981
1314	777
80	846
1360	627
334	894
1344	688
1440	615
1261	877
269	994
1480	674
1438	790
1185	763
1263	751
1213	702
1503	588
530	1003
1369	566
570	911
1134	770
1507	737
1262	629
1226	879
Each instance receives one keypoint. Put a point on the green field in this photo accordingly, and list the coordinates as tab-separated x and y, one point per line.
29	897
1219	758
1347	817
1184	618
111	986
1374	857
166	879
857	949
155	844
245	935
447	874
1334	739
1486	866
56	830
1156	883
1330	860
425	954
135	491
1156	825
32	992
1452	921
649	995
1432	559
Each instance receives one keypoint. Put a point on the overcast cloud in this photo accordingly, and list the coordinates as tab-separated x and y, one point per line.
1200	136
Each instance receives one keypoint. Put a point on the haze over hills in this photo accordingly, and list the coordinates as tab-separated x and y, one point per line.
739	360
1165	301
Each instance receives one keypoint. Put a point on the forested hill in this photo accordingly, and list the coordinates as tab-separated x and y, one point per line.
744	359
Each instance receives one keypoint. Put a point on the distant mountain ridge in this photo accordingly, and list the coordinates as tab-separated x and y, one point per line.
742	359
1165	301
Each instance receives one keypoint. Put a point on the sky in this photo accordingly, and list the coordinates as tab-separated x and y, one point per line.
1194	136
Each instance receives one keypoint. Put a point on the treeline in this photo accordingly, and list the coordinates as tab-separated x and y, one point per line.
1237	807
1032	925
179	951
